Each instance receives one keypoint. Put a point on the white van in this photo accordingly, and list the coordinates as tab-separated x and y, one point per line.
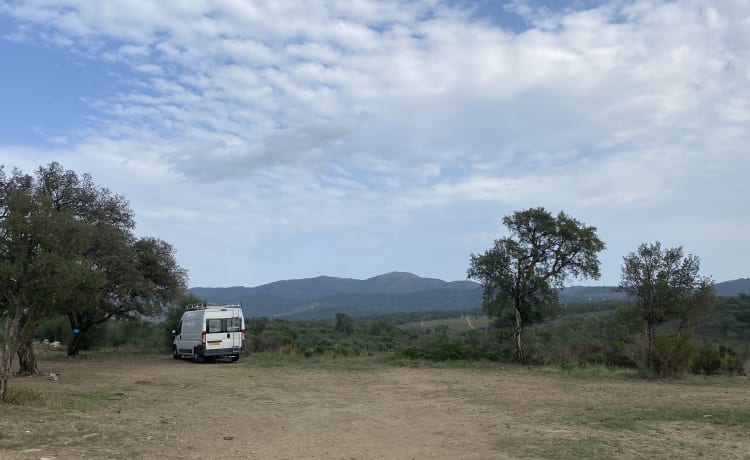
210	332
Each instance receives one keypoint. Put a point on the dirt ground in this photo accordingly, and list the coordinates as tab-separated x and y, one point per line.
155	407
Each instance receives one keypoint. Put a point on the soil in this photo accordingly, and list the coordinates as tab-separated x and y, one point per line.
156	407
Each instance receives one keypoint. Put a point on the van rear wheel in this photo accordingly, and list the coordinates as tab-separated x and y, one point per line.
175	355
197	358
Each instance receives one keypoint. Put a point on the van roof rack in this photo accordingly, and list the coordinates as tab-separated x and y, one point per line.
204	305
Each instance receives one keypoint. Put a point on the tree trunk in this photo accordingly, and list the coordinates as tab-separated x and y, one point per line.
651	358
74	346
27	359
10	333
6	362
517	339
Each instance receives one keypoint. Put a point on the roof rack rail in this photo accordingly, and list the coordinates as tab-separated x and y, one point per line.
203	306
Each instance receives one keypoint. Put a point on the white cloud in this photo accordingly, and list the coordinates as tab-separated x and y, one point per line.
353	117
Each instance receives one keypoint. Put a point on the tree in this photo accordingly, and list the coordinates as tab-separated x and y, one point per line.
97	209
66	246
522	272
667	288
140	277
136	276
344	324
40	265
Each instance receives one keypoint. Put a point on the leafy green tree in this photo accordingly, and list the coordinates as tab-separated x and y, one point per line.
521	273
667	288
94	207
137	276
141	277
41	268
344	324
66	246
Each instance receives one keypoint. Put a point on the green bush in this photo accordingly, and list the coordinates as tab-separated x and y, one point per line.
269	340
707	361
712	360
674	355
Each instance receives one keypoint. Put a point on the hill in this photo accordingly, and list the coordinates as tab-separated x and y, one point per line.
323	296
734	287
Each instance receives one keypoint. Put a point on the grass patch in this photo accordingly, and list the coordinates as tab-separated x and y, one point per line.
638	418
25	396
81	401
586	373
364	363
448	364
564	448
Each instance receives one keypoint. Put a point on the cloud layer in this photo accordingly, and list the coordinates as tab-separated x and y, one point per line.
276	139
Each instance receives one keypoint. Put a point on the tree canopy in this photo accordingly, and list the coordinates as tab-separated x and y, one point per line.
67	246
521	273
666	287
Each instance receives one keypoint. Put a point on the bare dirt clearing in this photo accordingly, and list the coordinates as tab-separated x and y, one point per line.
154	407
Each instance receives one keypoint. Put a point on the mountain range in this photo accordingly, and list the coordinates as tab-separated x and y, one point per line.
324	296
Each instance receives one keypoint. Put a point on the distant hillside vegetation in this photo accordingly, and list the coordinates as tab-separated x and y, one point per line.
322	297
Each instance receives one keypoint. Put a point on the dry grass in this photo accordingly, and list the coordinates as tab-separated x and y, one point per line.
154	407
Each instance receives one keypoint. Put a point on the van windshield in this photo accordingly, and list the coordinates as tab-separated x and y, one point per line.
219	325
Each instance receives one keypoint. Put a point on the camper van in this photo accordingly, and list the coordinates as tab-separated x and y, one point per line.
207	332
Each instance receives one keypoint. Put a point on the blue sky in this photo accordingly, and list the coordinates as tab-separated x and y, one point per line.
269	141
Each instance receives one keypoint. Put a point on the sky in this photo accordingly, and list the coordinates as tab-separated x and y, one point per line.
279	139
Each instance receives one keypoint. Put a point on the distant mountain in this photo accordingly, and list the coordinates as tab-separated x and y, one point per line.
389	283
314	297
323	296
580	293
734	287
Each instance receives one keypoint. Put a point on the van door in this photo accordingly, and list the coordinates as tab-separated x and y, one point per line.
216	334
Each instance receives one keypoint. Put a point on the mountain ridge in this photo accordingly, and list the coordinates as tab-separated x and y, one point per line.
389	292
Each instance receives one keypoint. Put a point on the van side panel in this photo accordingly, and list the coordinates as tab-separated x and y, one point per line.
190	333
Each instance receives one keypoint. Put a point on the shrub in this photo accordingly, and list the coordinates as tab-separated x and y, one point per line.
268	340
674	354
718	360
707	361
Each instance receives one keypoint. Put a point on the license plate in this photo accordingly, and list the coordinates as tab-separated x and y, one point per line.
215	342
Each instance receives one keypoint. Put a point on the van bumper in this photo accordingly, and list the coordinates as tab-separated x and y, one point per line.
222	351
